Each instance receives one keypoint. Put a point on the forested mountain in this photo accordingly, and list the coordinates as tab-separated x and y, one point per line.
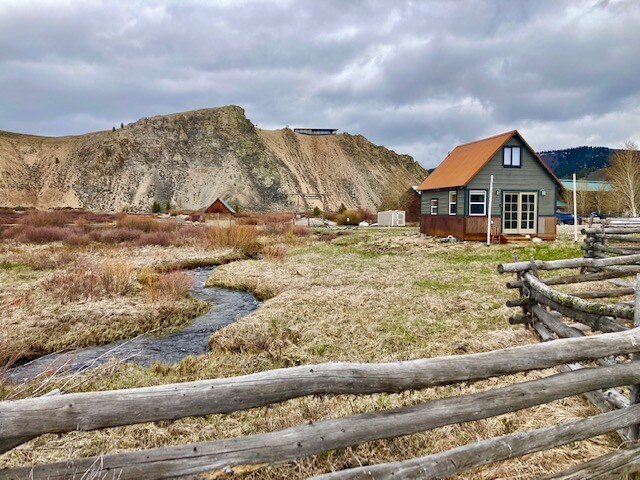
580	160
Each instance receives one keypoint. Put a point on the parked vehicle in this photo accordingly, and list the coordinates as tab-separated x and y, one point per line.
566	218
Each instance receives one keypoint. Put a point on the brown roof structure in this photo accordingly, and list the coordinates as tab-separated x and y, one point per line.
220	206
465	161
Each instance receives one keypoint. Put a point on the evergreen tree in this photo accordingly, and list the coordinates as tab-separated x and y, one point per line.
156	208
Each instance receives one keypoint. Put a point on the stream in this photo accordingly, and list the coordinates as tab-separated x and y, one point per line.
228	307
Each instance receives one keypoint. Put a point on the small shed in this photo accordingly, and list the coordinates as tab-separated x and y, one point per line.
220	206
391	218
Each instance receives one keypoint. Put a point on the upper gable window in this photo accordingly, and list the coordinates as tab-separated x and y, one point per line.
511	156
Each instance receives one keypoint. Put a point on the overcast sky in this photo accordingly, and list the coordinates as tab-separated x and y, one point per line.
419	76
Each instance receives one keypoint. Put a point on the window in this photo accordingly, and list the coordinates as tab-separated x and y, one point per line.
453	202
434	206
477	202
511	157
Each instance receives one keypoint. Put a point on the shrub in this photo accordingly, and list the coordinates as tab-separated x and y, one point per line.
342	208
301	231
274	252
316	211
277	228
174	285
165	286
40	234
116	235
55	218
156	238
76	239
354	217
242	237
136	222
87	279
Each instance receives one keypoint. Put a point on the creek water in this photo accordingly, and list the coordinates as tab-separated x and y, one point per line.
229	306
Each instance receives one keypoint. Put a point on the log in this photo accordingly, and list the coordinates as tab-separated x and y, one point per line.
617	238
520	302
611	230
597	398
545	334
580	278
568	263
614	292
255	451
577	303
95	410
598	247
634	390
452	462
615	398
596	322
555	325
611	466
520	319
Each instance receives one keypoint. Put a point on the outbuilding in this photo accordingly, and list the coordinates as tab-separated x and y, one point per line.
220	206
391	218
455	197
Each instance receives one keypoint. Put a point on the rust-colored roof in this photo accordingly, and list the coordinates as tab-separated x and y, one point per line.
465	161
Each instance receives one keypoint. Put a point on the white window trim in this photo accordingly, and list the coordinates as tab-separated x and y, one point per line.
510	162
483	203
432	206
454	192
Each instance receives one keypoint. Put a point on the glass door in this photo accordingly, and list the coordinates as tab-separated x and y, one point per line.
519	212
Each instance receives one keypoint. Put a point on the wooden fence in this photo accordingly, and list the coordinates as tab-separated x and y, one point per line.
612	237
595	344
610	303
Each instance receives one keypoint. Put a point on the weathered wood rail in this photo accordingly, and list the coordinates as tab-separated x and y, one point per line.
556	314
28	418
594	343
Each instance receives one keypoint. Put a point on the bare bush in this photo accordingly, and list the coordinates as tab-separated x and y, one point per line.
242	237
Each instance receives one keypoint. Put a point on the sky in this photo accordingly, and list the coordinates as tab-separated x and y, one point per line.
419	77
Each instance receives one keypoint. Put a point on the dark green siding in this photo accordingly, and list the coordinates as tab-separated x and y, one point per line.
531	176
443	202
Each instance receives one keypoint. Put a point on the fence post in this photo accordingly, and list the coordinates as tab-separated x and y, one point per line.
634	391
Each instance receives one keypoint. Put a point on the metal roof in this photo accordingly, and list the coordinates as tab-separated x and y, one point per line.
466	160
586	185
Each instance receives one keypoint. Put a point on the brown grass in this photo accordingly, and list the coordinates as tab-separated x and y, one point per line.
87	279
364	296
168	287
241	237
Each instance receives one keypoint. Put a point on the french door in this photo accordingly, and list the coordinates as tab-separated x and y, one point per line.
519	212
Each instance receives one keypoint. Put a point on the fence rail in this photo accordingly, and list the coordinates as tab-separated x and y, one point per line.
556	314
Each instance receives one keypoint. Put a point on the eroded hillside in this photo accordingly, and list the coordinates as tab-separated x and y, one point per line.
190	158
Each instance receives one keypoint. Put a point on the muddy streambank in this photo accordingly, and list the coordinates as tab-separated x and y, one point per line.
228	307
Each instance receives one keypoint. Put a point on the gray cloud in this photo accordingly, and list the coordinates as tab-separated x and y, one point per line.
418	77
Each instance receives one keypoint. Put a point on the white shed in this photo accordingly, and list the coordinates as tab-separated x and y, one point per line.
391	218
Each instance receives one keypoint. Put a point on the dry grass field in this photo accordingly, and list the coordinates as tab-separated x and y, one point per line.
360	295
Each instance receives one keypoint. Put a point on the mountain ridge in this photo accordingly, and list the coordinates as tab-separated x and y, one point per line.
190	158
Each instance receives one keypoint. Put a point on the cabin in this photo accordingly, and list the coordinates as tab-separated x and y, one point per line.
315	131
221	207
455	197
